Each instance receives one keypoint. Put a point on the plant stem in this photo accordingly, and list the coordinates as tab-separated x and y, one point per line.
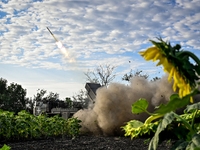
153	117
185	123
194	57
193	117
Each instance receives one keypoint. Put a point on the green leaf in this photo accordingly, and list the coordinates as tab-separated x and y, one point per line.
5	147
192	107
135	128
181	132
160	106
168	118
140	106
174	103
195	143
135	124
180	145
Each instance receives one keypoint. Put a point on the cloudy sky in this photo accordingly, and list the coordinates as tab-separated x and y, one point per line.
94	32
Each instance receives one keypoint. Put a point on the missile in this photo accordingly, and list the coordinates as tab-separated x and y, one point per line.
52	35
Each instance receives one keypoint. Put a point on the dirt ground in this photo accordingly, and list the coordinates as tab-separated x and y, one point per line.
85	142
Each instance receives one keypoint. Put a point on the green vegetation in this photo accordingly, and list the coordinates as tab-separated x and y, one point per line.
135	128
5	147
185	75
25	125
12	97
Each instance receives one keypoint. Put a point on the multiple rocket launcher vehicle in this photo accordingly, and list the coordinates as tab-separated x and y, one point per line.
62	108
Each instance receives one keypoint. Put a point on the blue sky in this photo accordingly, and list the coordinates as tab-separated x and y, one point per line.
94	33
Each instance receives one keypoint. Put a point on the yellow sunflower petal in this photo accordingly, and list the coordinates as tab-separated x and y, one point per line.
147	51
167	66
184	91
171	74
191	99
157	57
177	78
174	86
142	53
162	59
151	55
180	92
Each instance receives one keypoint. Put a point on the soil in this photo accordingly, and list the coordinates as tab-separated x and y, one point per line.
85	142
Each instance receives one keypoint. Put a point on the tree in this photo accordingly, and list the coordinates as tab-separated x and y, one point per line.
68	101
3	88
81	98
12	97
40	96
102	74
3	85
128	76
52	96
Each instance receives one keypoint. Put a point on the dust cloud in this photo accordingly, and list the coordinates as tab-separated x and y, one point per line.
112	106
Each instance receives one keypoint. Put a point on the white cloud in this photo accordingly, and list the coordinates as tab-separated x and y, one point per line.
94	32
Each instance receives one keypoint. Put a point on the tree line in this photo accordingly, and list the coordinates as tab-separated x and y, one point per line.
13	97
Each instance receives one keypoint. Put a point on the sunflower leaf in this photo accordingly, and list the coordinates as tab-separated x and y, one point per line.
140	106
192	107
195	143
176	102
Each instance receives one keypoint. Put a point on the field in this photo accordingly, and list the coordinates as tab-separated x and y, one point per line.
84	142
27	132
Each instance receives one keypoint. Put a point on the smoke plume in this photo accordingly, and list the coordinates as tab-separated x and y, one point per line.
112	106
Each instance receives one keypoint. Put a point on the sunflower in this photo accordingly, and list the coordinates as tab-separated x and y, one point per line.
176	63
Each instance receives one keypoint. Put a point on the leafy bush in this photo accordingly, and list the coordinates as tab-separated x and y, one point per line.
26	125
73	127
5	147
135	128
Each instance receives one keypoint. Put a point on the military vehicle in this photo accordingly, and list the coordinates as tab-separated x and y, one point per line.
64	109
57	107
91	90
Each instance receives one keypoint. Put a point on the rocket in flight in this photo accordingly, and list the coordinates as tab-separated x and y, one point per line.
52	35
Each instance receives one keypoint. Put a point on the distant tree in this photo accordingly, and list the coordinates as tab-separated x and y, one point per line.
69	101
12	97
82	98
128	76
40	96
102	74
30	105
3	85
17	97
91	77
52	96
3	88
